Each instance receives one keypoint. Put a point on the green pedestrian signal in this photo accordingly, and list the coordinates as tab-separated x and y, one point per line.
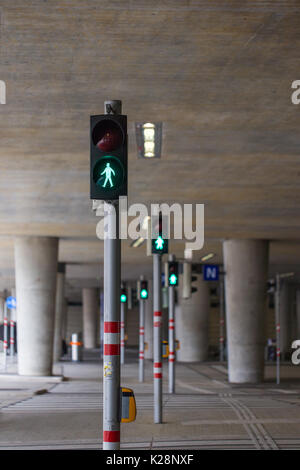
159	243
158	239
142	290
144	294
108	173
172	273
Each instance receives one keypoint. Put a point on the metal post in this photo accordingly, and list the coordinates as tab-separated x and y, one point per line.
157	348
5	334
172	351
12	336
122	332
111	352
221	339
141	339
277	322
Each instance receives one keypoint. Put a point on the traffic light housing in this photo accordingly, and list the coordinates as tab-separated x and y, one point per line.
188	278
173	273
108	158
142	290
123	296
160	244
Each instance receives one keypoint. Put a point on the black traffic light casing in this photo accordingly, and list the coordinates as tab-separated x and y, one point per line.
173	273
123	295
143	294
108	157
193	289
160	245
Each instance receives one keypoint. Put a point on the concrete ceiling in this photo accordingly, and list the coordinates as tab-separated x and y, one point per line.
217	74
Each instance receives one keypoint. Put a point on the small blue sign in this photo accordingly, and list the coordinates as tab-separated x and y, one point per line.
210	272
11	302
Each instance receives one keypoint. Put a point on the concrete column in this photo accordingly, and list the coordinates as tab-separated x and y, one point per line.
149	322
2	303
191	322
59	310
298	313
246	270
90	312
285	318
35	268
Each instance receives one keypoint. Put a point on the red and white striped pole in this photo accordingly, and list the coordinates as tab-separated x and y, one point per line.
277	320
112	289
12	337
122	332
157	346
5	333
141	332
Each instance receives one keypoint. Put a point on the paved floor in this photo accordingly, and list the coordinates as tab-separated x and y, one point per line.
205	413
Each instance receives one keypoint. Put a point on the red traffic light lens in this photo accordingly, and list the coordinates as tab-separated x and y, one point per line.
107	135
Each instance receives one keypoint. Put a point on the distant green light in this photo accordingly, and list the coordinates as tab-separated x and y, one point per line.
123	298
173	280
159	242
144	294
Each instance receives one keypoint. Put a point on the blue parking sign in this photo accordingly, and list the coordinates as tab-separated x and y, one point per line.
11	302
210	272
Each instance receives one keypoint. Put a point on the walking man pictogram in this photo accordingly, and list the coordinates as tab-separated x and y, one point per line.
108	172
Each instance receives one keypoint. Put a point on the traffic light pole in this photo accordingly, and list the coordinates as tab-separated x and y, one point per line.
111	352
221	339
5	333
141	338
123	332
157	323
172	353
277	322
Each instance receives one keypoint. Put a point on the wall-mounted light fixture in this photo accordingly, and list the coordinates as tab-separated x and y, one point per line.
149	139
208	256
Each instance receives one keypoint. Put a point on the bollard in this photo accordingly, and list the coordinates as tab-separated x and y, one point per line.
76	347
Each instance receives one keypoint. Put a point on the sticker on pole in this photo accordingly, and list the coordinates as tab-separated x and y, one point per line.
11	302
210	272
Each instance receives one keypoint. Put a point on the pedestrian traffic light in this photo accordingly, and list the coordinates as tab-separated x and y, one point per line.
108	160
173	273
123	296
159	243
144	290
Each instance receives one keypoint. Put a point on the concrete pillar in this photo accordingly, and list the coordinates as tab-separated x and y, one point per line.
90	312
285	319
2	303
246	270
298	312
59	311
149	322
191	322
35	268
